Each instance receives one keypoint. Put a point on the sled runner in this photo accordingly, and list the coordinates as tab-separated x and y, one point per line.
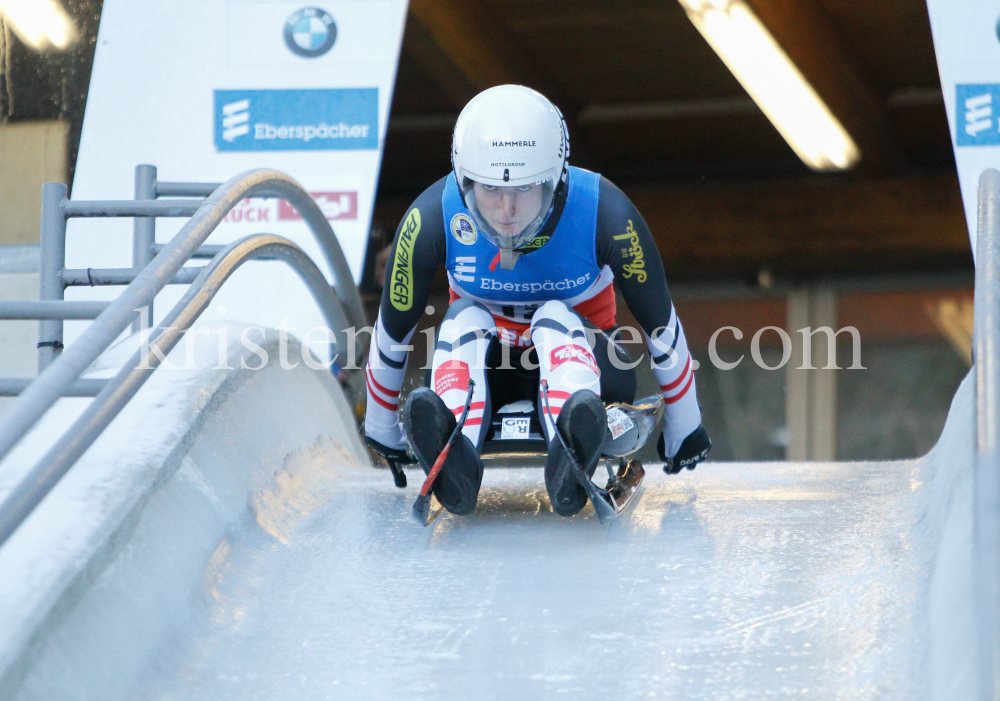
628	427
516	433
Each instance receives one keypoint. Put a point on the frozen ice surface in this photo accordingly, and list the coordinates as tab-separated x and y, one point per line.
735	581
243	552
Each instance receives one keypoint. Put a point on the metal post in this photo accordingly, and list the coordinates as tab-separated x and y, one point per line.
143	232
52	260
796	380
987	475
811	394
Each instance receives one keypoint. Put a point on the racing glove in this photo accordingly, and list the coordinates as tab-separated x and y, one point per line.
692	451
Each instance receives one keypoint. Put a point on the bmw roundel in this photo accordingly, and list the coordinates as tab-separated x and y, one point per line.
310	32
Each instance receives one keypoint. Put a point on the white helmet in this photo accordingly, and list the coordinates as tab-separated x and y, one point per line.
513	142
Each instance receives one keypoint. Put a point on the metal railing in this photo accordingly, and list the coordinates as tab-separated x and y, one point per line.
987	471
154	267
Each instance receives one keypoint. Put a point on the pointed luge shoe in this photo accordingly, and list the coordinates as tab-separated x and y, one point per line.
428	424
583	424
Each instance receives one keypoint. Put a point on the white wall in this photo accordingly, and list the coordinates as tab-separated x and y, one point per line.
18	282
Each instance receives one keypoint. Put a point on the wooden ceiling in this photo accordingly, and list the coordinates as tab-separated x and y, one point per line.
652	107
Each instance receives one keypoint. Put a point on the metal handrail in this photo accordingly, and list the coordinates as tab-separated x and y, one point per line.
90	277
59	374
14	386
47	388
30	491
987	471
51	310
987	312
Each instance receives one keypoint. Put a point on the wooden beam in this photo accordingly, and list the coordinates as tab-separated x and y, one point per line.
666	109
800	228
488	54
809	37
421	47
473	41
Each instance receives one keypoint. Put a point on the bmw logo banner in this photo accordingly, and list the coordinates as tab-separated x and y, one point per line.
301	86
310	32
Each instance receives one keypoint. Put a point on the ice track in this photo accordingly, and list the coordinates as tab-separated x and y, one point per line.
735	581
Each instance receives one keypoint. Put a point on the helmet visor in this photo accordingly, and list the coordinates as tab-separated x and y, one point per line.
510	216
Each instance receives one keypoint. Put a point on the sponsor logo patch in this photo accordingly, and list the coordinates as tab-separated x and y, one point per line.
976	111
513	337
465	268
401	292
310	32
573	354
296	120
454	374
633	252
618	422
463	229
536	242
516	428
488	283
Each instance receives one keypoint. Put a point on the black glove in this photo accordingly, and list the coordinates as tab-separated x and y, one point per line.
692	451
393	457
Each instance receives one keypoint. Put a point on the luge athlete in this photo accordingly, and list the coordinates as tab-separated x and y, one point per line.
531	246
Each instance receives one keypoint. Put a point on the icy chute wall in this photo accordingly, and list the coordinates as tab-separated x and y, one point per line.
112	560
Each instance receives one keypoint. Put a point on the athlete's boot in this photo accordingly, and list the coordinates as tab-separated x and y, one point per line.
582	423
429	423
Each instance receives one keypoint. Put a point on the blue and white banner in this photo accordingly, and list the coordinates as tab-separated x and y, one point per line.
977	108
207	89
293	120
967	43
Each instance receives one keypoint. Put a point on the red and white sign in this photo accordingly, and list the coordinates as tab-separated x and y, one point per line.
252	211
573	354
453	374
335	205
